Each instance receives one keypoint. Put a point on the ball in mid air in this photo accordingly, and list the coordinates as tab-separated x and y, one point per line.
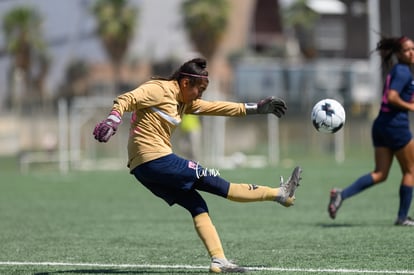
328	116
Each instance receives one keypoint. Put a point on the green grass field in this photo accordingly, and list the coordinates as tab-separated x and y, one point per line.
107	223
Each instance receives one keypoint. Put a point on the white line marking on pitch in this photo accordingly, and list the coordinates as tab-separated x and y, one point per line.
160	266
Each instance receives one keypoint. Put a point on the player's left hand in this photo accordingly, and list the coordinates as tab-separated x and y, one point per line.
272	105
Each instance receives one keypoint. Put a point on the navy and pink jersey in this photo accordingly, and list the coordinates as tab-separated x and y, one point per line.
399	79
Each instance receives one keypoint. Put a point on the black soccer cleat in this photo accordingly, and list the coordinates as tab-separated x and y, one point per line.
335	202
405	222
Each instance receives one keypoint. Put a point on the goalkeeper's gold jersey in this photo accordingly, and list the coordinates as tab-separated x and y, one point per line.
157	109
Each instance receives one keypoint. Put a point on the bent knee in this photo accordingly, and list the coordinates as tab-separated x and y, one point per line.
408	179
379	177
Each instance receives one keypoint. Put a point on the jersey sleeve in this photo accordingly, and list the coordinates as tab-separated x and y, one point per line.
400	77
216	108
146	95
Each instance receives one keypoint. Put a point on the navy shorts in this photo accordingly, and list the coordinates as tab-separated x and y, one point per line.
393	137
175	180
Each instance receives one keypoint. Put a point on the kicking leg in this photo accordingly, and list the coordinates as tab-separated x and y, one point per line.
242	192
284	195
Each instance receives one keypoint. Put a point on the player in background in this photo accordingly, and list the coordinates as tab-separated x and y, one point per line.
391	134
157	108
191	140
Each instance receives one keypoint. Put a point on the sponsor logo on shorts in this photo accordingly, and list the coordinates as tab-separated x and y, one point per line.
192	165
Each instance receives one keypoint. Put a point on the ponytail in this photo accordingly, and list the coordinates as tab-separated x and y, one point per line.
387	47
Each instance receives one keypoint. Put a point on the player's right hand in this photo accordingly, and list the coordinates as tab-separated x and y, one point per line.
105	129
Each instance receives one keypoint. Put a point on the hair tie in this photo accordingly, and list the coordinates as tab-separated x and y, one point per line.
402	39
194	75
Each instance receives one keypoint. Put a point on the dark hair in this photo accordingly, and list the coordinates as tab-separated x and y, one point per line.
194	69
387	47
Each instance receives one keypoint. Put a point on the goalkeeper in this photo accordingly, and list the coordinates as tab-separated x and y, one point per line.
157	107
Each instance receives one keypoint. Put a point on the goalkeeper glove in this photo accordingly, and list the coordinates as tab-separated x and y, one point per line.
107	128
269	105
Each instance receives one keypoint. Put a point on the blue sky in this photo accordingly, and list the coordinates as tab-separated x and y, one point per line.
60	20
159	33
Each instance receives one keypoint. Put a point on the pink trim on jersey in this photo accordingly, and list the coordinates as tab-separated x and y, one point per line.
385	94
133	117
135	130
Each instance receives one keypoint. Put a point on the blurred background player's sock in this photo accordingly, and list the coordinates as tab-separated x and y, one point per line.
359	185
406	195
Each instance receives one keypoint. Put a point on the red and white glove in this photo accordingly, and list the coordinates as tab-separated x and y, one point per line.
105	129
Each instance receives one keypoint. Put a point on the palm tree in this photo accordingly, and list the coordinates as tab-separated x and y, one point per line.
75	82
115	27
206	22
302	19
24	42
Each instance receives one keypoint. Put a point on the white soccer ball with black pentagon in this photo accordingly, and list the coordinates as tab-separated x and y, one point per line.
328	116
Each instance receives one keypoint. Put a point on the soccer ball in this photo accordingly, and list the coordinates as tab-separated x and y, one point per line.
328	116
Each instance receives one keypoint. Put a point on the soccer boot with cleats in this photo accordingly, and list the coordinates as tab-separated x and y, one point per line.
405	222
222	265
335	202
286	196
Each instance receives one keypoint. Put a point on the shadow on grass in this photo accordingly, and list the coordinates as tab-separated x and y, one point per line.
117	271
355	225
337	225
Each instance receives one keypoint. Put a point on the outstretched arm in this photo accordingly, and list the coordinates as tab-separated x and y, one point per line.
269	105
148	94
